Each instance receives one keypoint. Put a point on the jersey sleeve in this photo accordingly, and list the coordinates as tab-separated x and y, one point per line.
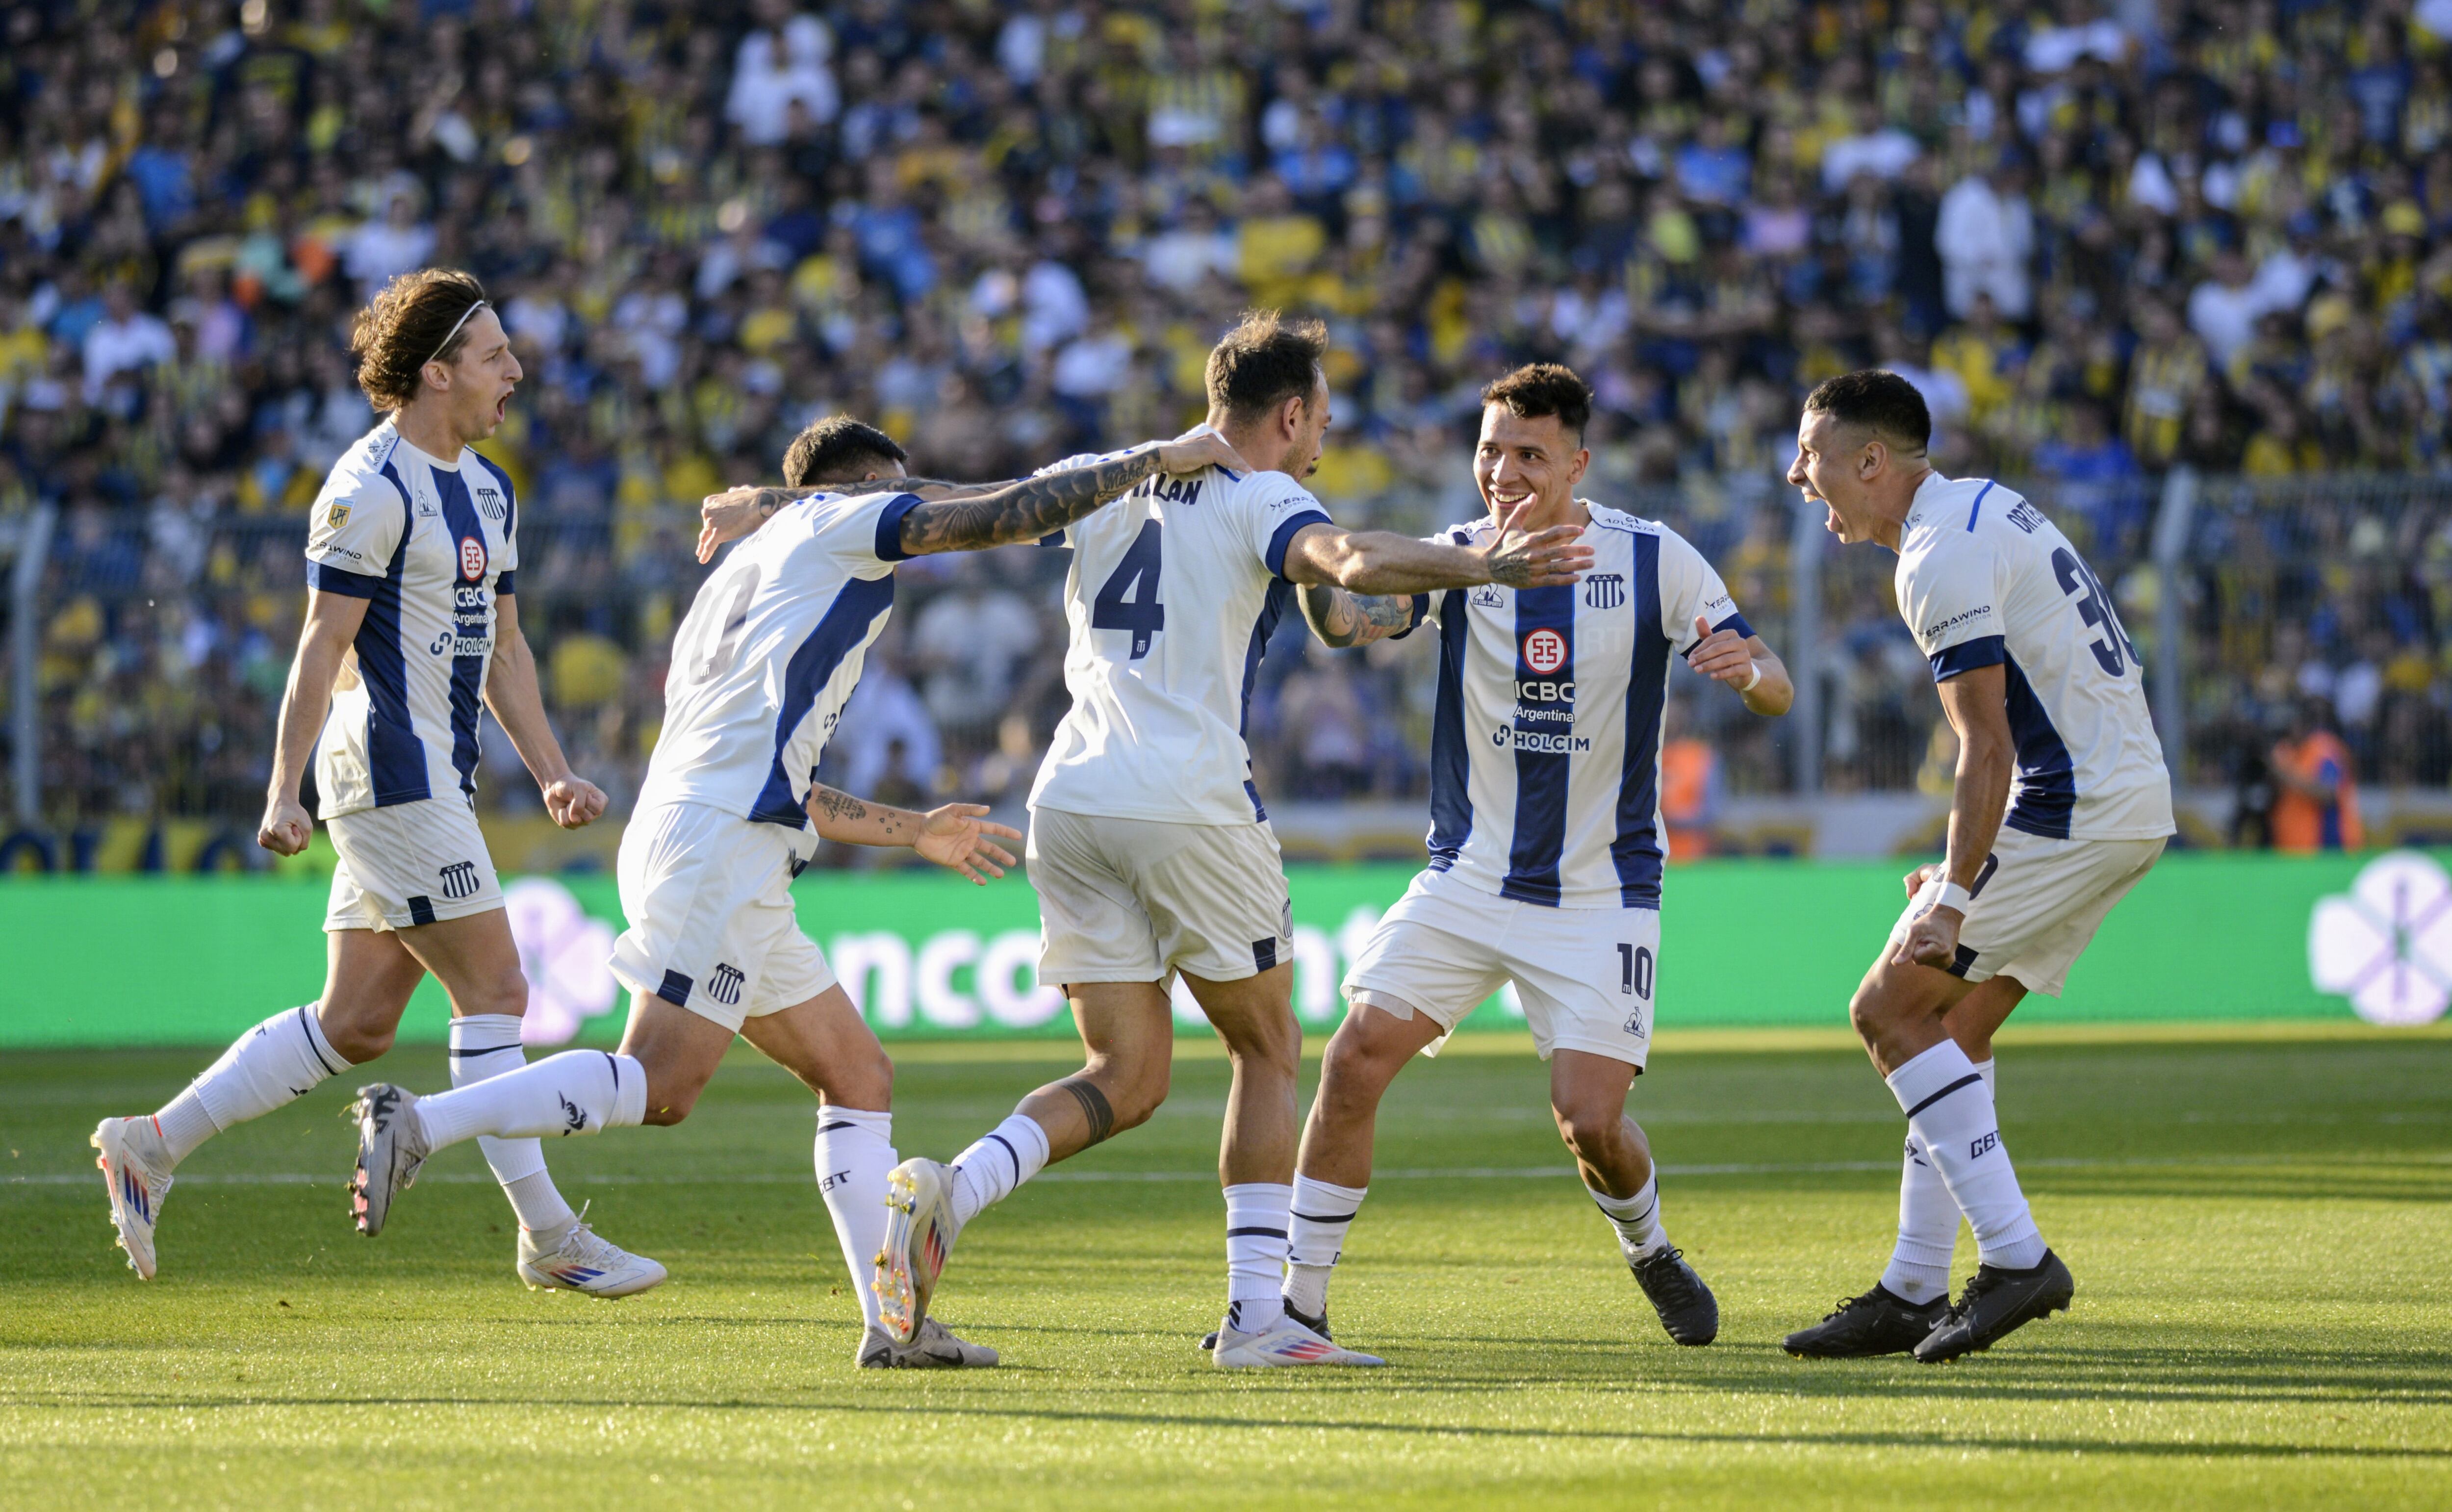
1271	510
1951	596
866	533
356	528
1690	589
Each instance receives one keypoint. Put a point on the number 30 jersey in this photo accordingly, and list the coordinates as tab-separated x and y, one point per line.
1175	590
768	652
1985	580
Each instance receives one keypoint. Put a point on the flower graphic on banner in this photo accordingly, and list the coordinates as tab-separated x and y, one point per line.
2387	944
565	955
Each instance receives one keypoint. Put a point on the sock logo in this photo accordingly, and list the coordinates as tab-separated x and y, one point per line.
827	1184
575	1121
1979	1146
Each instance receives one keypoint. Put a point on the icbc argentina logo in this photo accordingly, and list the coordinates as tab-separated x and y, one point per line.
472	558
1544	651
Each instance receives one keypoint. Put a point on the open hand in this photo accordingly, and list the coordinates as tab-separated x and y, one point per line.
285	828
1721	654
573	801
1198	450
728	516
1538	561
956	838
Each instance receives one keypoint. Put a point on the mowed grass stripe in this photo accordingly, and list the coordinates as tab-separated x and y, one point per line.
2256	1225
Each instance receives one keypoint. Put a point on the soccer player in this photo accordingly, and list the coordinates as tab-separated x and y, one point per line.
1546	837
728	815
2062	804
411	619
1149	848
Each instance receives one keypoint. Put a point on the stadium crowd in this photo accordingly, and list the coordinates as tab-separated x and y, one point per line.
2104	240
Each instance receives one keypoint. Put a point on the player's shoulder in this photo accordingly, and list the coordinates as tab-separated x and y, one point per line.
363	474
1956	523
481	467
1275	492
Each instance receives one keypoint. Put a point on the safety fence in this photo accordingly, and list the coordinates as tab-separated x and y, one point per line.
146	651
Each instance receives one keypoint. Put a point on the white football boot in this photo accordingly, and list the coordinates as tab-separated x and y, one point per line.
390	1149
934	1348
589	1263
1283	1343
919	1236
136	1169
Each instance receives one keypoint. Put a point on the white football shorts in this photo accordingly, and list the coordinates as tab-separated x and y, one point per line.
409	863
1585	976
708	899
2036	905
1130	900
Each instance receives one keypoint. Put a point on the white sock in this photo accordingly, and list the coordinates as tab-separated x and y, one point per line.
1948	1106
855	1153
576	1093
1002	1158
1636	1219
1919	1268
279	1061
485	1045
1257	1220
1321	1214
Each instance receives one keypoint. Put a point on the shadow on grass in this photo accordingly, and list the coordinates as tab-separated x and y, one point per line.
1938	1439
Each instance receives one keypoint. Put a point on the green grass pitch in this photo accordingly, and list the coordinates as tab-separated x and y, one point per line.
2258	1224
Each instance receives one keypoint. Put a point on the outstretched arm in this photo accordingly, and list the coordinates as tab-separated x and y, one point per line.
970	516
1358	584
954	837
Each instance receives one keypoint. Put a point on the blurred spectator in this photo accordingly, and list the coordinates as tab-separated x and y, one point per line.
2315	798
2103	239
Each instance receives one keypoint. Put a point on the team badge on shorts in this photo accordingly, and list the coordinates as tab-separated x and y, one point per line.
725	986
460	880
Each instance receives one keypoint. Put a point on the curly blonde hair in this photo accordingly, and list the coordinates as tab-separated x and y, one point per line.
409	324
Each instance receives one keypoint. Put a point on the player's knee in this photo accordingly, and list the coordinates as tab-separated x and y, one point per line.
1271	1040
506	993
868	1081
1590	1131
356	1043
666	1107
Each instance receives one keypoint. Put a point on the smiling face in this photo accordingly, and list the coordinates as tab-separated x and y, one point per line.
1524	457
474	389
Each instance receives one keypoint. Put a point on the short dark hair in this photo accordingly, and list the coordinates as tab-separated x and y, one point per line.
1540	389
837	449
1884	402
1267	359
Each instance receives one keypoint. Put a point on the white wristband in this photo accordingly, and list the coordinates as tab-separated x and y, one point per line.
1753	680
1953	896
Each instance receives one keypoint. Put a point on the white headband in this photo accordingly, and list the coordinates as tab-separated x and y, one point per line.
454	332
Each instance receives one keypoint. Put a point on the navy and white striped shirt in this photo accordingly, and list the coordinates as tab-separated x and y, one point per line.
429	543
1545	749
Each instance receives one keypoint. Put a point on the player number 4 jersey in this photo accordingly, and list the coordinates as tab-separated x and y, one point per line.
1985	580
1545	748
1175	590
771	647
428	544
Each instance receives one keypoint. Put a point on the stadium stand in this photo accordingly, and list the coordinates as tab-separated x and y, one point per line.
2109	243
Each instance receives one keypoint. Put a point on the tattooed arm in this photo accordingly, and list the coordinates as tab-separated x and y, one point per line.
954	837
1382	562
1341	619
1024	511
968	516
